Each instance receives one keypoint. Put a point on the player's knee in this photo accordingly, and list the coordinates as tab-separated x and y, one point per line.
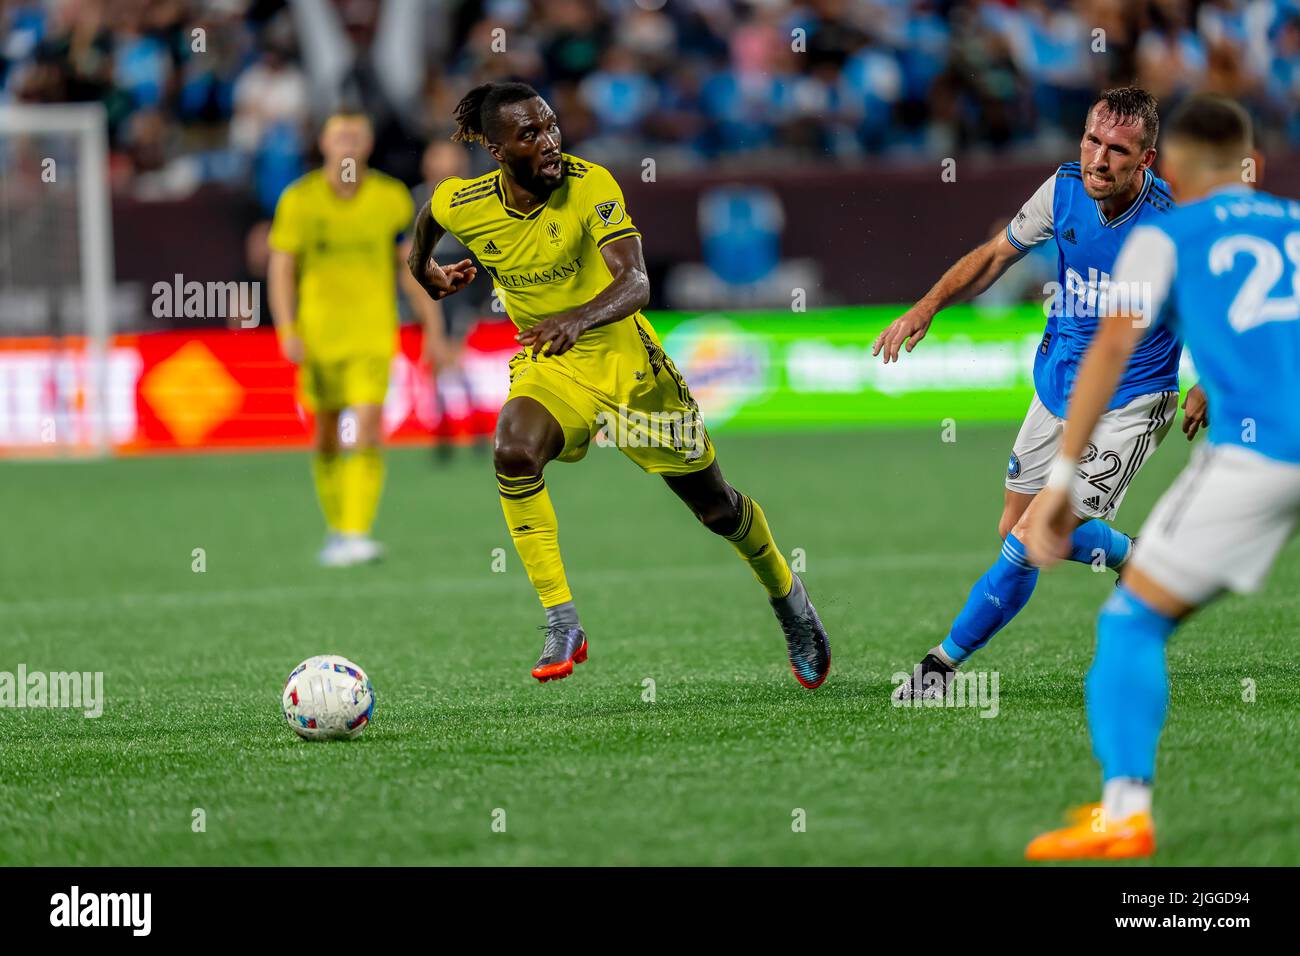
720	515
1019	526
517	457
1012	522
367	441
327	434
368	425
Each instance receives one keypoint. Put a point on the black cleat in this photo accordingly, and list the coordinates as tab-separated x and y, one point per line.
805	637
929	680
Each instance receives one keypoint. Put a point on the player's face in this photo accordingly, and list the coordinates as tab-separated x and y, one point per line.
1111	154
346	137
530	147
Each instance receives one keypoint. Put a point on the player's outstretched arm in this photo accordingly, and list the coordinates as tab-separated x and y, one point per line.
438	281
966	278
627	293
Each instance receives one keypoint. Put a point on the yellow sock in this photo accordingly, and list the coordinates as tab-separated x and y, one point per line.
325	471
530	516
362	480
753	542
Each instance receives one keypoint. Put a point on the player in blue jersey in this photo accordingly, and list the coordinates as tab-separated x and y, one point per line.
1088	209
1222	272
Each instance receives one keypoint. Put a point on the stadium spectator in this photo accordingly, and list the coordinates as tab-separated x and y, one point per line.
693	82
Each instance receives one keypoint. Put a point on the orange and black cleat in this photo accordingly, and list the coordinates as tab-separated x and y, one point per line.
564	647
1091	836
806	641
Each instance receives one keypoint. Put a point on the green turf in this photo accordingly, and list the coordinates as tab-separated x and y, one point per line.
95	575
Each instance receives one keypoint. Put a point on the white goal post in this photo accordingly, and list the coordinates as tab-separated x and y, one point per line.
48	274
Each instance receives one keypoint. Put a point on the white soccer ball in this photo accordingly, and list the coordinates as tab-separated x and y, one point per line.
328	698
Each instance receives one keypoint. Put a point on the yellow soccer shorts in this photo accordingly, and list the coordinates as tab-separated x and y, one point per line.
656	423
344	383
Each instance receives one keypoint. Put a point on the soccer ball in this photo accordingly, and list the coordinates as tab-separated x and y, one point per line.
328	698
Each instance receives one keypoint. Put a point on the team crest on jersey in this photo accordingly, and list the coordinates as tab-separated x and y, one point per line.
611	213
490	249
1013	466
553	232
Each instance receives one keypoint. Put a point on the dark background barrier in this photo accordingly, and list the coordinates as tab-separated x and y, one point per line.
877	233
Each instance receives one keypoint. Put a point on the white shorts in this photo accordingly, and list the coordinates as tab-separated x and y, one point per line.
1123	440
1220	525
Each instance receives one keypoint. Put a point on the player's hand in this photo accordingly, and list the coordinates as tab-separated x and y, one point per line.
553	336
1050	527
442	281
1196	411
292	348
909	328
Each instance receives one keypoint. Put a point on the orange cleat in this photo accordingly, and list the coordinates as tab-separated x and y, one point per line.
563	648
1090	836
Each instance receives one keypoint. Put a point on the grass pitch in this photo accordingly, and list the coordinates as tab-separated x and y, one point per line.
96	574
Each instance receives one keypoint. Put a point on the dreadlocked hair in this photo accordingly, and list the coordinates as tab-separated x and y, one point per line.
476	113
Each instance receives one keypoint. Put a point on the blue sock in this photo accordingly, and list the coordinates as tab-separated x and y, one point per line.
994	600
1096	536
1127	687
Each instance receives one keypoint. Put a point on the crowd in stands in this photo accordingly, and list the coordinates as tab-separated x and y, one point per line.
231	91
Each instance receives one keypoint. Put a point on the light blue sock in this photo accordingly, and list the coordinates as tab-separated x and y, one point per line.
995	599
1096	536
1127	689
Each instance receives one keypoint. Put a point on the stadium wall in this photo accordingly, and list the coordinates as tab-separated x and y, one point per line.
878	234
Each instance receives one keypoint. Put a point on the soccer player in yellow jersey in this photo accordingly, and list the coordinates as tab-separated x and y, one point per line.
336	249
566	261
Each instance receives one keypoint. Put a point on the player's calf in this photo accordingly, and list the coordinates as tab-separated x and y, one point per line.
738	518
527	438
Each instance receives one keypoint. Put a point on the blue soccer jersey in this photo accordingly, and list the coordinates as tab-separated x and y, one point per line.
1223	274
1087	244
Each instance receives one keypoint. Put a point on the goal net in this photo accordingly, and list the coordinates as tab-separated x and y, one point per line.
56	280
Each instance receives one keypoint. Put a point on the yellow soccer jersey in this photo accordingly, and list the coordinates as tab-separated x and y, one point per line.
346	256
549	260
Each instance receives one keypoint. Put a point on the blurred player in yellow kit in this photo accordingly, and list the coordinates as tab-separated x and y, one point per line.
566	261
337	242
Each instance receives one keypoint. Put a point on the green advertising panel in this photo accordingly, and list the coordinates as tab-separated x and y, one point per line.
799	369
